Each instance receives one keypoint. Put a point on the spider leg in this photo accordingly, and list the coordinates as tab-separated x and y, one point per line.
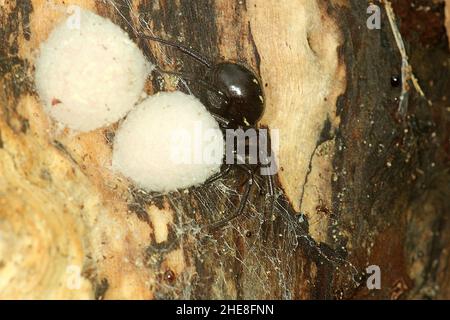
180	47
270	186
265	148
221	120
219	175
270	195
243	202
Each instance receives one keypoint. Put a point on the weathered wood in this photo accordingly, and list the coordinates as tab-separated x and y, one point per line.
359	184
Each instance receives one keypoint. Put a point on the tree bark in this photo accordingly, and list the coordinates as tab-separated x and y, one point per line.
361	181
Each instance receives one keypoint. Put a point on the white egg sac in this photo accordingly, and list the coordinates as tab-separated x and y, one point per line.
89	74
168	142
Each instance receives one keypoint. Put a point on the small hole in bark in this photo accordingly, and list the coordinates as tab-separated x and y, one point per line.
169	276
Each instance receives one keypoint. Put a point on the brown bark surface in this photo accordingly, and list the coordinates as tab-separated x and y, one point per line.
359	184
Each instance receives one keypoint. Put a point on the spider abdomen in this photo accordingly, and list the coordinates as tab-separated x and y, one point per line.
245	100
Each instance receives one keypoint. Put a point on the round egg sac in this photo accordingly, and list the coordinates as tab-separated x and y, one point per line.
89	73
168	142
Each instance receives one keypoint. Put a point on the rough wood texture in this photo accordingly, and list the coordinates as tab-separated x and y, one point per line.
358	184
447	19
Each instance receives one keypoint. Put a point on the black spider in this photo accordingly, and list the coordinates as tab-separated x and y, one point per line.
235	99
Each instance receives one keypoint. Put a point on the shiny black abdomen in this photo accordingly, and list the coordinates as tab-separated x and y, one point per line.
244	103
